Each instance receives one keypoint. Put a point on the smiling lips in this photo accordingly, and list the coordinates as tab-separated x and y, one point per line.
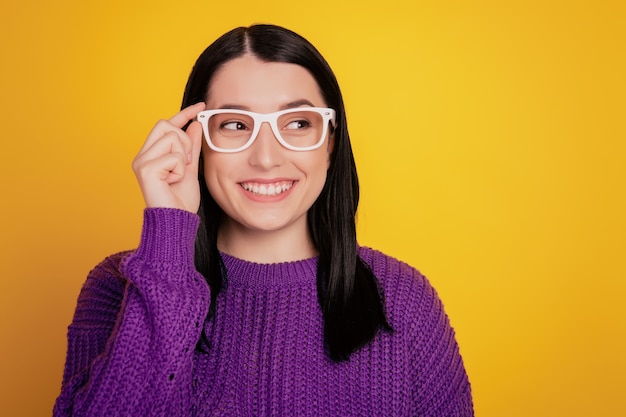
267	189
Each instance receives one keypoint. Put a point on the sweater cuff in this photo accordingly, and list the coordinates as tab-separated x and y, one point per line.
168	235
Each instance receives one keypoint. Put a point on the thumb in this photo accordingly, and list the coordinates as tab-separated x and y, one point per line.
194	132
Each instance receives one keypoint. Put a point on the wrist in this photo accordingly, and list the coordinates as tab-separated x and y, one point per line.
168	234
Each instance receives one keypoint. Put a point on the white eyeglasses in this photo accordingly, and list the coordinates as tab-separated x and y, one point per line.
297	129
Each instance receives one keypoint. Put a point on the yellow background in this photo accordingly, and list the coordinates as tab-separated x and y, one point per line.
489	137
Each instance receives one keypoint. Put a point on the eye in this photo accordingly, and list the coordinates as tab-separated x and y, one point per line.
298	124
233	125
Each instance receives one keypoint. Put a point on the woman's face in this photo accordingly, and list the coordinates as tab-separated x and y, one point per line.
266	187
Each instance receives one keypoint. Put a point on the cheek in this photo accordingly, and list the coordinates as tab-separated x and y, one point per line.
207	168
317	169
215	169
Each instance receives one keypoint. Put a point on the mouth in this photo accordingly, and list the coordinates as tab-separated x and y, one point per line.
269	190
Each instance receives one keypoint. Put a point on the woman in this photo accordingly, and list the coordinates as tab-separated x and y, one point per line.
262	303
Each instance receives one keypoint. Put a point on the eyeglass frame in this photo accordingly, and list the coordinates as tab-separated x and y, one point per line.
328	116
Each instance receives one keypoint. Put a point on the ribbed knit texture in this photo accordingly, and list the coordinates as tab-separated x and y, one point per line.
139	316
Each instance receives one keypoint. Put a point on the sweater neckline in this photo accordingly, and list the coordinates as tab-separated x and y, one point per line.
240	272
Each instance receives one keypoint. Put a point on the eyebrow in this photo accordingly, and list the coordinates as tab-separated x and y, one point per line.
290	105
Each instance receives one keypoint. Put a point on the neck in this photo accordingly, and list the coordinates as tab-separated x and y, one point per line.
262	246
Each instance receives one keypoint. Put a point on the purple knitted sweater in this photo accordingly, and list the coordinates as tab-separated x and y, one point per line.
131	344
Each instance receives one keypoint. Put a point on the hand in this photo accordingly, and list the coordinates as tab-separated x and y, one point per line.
166	167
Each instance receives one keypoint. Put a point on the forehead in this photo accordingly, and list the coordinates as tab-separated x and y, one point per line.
261	86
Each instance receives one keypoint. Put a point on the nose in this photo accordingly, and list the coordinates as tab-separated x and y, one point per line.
266	152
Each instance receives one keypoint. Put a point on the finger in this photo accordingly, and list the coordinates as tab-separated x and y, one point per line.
174	124
194	134
160	129
169	168
158	193
170	142
187	114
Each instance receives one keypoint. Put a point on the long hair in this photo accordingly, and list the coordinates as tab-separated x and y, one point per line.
348	291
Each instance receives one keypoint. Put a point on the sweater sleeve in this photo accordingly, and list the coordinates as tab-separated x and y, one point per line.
131	342
438	382
441	387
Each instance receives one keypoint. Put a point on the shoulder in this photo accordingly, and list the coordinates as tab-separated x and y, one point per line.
410	299
392	273
107	274
101	295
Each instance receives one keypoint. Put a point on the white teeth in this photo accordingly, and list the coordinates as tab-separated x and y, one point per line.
268	189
